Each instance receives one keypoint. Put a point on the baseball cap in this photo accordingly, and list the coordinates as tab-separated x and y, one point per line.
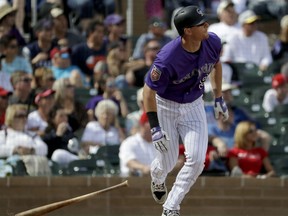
63	53
6	9
4	92
247	17
157	22
55	12
43	24
43	94
278	80
143	118
113	19
284	22
223	5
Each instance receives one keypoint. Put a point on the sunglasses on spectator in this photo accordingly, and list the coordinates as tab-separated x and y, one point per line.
252	130
69	86
26	80
153	48
51	79
21	115
64	55
13	46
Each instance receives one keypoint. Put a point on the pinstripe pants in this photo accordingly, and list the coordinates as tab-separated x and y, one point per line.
189	121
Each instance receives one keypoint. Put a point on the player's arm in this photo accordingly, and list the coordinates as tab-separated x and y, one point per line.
159	137
216	83
150	107
216	80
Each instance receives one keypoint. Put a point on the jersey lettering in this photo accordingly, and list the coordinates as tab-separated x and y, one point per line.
196	73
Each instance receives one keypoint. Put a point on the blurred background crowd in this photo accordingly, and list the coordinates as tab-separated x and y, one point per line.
71	83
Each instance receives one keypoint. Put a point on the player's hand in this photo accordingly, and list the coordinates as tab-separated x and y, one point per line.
221	108
159	138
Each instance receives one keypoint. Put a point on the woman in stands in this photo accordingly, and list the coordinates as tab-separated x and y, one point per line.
245	158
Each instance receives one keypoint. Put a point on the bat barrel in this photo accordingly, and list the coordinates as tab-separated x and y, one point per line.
57	205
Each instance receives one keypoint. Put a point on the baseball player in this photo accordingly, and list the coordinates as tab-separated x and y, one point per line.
173	102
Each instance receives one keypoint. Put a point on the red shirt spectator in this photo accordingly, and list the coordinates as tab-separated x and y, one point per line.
249	160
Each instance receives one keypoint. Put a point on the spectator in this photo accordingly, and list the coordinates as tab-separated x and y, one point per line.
284	70
7	23
172	32
21	82
12	61
110	91
133	118
135	75
116	61
137	151
115	27
87	54
5	79
38	119
62	67
156	30
228	24
4	95
221	134
37	52
104	131
61	30
278	94
20	15
280	46
245	159
13	139
65	97
43	79
214	162
248	45
59	138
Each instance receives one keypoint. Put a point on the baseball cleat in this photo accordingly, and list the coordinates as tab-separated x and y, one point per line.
159	192
167	212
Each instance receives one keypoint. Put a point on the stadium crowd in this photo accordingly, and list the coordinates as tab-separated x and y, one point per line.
66	85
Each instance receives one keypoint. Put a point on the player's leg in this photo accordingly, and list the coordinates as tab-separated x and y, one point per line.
193	130
165	162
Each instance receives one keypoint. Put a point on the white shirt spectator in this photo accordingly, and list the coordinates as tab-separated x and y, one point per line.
96	134
34	120
248	49
270	100
135	148
10	139
5	81
224	31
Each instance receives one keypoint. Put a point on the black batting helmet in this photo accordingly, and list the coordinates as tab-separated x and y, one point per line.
188	17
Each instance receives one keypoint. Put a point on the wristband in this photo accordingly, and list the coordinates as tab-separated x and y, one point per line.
153	119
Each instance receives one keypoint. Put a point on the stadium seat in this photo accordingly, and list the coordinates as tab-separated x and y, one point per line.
281	166
110	155
277	151
86	167
249	76
83	95
130	95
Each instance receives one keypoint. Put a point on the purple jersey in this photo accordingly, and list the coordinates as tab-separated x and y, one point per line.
178	75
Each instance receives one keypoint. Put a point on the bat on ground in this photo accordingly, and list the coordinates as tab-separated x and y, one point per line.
57	205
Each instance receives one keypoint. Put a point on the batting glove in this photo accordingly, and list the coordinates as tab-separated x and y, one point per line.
159	138
221	108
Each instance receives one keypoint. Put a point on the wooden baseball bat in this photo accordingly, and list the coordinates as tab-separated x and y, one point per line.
53	206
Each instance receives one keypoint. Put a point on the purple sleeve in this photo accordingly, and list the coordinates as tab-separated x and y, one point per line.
156	79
